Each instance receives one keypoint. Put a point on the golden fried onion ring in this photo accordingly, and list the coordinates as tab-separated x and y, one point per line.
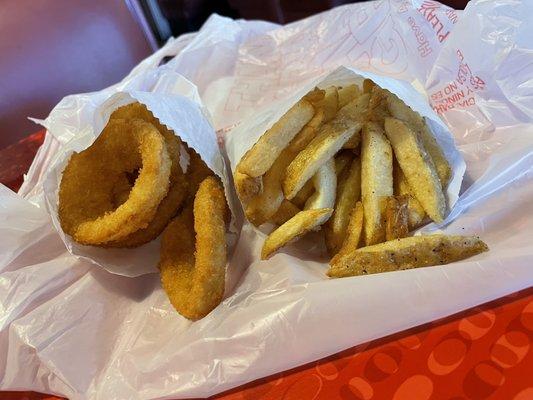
177	191
193	271
87	205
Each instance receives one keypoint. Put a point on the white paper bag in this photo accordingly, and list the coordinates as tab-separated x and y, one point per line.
70	328
240	139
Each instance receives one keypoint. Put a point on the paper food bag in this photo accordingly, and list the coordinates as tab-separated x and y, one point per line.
176	103
240	139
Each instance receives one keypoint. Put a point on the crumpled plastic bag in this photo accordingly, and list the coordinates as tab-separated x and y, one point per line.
71	329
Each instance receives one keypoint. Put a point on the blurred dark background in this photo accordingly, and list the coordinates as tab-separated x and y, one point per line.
179	16
52	48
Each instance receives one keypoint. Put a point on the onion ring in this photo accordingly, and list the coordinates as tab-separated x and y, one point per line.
196	174
177	191
193	270
87	203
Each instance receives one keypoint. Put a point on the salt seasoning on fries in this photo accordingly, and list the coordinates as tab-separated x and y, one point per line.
361	164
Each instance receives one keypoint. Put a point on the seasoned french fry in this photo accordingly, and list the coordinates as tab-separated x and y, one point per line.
368	85
258	160
302	223
329	140
348	192
264	205
377	106
286	211
342	160
329	104
364	103
406	253
347	94
308	132
402	111
354	232
418	168
416	213
246	186
376	181
396	217
325	184
315	96
304	193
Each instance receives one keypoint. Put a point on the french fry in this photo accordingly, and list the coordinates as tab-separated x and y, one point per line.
396	217
304	193
315	96
325	184
342	160
247	187
416	213
363	103
418	168
329	104
308	132
348	192
258	160
368	85
286	211
354	232
329	140
377	105
402	111
302	223
376	181
406	253
264	205
347	94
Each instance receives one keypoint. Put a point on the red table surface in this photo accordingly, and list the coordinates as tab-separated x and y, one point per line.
482	353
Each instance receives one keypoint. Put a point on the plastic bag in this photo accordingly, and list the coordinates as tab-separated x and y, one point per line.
71	329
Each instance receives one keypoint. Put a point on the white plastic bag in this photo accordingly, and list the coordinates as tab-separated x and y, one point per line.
69	328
